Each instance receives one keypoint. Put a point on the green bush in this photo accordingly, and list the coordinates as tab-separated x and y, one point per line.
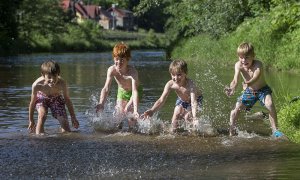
289	120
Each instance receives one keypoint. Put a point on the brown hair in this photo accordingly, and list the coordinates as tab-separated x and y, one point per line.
121	50
178	66
50	67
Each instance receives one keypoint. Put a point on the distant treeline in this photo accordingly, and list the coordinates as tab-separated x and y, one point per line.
201	29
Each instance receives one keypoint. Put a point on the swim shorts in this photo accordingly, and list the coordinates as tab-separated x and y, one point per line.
55	103
187	105
126	95
250	97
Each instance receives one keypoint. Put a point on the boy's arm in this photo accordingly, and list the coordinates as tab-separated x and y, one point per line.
105	90
230	91
134	96
33	98
160	102
255	76
194	101
69	104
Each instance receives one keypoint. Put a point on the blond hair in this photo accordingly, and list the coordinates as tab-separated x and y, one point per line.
178	66
246	49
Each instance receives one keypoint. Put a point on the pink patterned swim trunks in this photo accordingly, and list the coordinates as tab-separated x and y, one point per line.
55	103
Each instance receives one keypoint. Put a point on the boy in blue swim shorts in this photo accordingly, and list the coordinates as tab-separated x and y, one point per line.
254	85
189	97
129	87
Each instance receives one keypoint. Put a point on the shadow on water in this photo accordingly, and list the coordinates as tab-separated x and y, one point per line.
98	150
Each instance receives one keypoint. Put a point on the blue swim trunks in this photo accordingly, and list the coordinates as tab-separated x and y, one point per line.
187	105
249	97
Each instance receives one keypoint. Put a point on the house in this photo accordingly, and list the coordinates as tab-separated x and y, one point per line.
123	19
109	19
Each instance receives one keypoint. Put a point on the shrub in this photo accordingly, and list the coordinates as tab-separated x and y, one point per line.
289	120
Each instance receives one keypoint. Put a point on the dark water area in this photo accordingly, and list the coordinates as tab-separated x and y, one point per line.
93	153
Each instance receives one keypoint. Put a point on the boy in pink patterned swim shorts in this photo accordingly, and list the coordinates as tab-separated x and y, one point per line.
50	91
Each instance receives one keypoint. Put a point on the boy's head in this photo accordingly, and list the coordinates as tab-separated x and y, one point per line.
178	71
246	54
121	50
50	71
178	66
50	67
245	49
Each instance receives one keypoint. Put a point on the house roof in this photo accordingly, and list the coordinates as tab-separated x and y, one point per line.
105	13
81	9
93	11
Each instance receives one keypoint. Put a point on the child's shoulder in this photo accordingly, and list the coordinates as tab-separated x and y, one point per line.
39	81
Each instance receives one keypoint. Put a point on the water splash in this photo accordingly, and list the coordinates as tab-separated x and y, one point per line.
152	125
104	121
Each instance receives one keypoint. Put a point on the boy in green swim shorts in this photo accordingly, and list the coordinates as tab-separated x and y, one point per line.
254	85
129	88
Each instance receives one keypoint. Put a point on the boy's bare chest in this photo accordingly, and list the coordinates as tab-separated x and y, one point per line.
247	73
51	91
124	83
182	91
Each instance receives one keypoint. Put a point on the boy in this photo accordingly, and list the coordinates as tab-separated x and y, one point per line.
50	91
189	98
254	85
129	88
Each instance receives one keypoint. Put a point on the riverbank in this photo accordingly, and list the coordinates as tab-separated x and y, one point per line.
273	53
76	40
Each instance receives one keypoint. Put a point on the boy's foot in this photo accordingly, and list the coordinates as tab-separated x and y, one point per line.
232	132
277	134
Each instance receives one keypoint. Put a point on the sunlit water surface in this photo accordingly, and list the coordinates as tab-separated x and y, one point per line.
99	150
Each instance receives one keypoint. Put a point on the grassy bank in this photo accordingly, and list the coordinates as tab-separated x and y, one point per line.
275	36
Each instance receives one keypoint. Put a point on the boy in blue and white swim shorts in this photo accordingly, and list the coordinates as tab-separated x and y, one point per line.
189	99
254	85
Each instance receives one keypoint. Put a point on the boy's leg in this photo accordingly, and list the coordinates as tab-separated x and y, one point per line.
233	118
42	115
64	124
59	112
178	110
188	116
272	112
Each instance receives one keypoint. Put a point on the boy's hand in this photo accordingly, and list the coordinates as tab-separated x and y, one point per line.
75	123
31	127
148	114
99	107
245	85
228	91
136	115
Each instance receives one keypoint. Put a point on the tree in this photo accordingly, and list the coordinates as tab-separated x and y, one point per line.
43	17
8	25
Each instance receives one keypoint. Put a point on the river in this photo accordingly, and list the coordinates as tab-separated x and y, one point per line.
95	152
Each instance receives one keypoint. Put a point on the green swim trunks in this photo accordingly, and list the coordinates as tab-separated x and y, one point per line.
126	95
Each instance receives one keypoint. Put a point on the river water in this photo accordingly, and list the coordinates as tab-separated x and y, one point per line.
94	151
